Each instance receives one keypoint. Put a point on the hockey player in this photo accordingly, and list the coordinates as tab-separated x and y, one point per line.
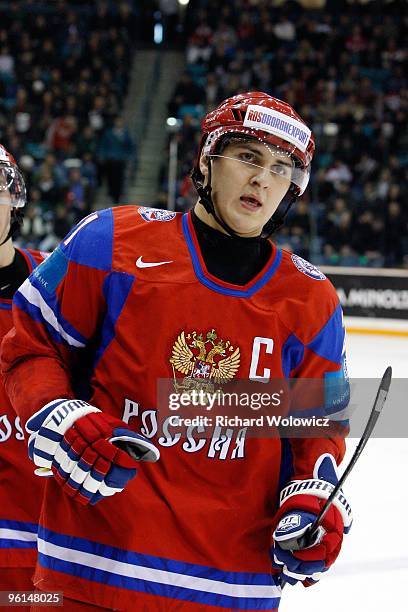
20	489
134	295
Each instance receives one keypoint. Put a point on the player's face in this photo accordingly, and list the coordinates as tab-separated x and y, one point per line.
249	180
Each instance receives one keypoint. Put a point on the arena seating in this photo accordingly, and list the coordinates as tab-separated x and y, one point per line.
343	67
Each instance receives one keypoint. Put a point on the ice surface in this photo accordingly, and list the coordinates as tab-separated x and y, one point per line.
371	574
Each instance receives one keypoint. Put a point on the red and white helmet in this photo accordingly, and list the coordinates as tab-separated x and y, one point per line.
12	185
267	119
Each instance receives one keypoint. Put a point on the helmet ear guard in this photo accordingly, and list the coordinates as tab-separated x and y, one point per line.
279	216
204	194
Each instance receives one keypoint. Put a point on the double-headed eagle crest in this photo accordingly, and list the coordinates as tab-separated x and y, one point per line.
204	359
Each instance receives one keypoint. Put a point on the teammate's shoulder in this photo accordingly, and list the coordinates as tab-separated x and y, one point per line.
33	257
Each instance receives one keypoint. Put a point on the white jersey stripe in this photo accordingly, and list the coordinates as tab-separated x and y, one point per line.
35	298
158	576
80	226
17	534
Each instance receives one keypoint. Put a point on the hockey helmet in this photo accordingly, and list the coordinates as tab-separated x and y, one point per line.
12	185
13	191
269	120
276	124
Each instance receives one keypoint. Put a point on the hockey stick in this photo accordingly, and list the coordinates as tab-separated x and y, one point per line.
308	538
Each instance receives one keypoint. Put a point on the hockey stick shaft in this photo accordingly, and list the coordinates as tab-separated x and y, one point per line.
375	413
308	538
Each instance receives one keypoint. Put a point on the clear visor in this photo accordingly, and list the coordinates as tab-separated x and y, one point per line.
256	153
12	186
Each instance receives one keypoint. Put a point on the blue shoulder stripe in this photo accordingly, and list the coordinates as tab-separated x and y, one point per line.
329	342
90	243
292	354
116	289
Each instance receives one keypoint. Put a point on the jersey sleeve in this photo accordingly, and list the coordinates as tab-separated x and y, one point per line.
56	313
320	394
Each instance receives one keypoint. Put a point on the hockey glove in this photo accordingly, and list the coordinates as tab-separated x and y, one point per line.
300	503
91	454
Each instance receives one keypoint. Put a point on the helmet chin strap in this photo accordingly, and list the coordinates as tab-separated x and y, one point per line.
16	221
278	219
206	200
204	193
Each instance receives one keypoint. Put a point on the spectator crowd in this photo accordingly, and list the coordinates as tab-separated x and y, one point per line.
64	72
65	69
343	66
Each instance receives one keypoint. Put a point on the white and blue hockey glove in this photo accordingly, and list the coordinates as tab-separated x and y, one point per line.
91	454
300	503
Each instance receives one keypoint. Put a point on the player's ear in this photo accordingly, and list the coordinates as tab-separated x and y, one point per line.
204	165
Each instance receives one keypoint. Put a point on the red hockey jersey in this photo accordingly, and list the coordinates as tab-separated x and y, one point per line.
20	489
116	302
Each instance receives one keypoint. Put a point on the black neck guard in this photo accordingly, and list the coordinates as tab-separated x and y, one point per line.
231	259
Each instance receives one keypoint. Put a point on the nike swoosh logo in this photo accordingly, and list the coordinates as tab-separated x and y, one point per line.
150	264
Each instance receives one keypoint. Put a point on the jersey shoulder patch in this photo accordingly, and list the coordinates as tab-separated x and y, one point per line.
307	268
51	271
155	214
